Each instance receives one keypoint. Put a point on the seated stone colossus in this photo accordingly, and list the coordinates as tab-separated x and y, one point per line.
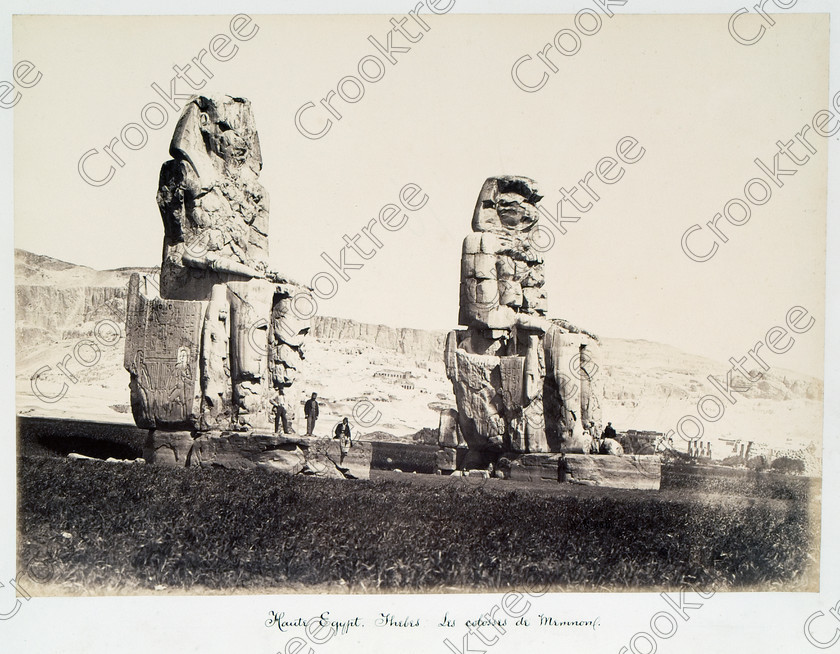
215	345
523	383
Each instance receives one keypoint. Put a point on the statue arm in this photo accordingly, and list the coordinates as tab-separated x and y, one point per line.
216	263
200	255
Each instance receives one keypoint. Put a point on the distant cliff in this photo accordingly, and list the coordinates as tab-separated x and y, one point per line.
56	301
55	313
647	386
414	343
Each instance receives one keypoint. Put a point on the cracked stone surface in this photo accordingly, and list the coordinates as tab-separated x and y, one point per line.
320	457
523	383
212	344
639	471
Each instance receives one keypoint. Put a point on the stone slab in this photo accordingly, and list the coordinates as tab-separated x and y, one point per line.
292	455
237	451
354	465
536	468
639	471
449	435
168	448
629	471
446	459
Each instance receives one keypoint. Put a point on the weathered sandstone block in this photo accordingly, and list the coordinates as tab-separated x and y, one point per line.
248	451
168	448
640	471
446	459
449	435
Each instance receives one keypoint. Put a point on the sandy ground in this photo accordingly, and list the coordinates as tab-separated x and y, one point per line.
647	387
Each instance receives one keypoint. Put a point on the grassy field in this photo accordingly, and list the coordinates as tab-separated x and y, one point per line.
91	527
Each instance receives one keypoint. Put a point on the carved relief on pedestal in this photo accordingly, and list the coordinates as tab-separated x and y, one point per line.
163	341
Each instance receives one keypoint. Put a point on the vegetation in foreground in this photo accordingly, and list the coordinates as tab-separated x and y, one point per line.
88	526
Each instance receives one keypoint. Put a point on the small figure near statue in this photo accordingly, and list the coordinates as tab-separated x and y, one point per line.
344	436
281	415
609	443
592	430
310	410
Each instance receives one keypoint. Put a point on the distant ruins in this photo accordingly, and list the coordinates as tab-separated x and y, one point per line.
213	352
524	384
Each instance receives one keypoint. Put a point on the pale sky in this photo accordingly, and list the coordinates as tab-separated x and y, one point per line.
446	117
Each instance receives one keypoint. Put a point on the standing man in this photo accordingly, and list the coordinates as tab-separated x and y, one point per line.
596	437
310	410
281	416
345	439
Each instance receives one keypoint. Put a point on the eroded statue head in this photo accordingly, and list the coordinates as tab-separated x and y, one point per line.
506	205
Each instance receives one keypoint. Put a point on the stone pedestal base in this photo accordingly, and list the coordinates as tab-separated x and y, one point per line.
446	460
168	448
535	467
319	457
640	471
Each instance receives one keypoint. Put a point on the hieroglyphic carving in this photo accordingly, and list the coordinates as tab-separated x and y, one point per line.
512	369
161	352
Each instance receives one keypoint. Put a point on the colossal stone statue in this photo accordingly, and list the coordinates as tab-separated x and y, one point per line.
214	210
522	382
216	346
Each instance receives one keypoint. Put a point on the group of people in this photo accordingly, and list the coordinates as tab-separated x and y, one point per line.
345	438
604	443
311	410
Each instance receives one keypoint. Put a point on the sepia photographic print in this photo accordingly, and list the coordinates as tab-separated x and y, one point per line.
443	326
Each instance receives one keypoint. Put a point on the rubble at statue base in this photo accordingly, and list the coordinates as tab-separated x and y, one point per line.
527	388
214	348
